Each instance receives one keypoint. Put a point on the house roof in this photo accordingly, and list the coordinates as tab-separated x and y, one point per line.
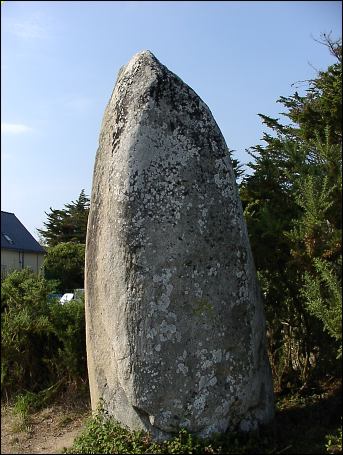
15	236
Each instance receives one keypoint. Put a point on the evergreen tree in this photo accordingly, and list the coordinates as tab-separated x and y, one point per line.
292	206
67	225
78	211
315	239
237	167
322	291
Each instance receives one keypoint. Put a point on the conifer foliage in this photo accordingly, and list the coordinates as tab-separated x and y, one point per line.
293	207
68	224
65	237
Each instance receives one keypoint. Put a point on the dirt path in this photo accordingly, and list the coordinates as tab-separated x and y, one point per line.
47	431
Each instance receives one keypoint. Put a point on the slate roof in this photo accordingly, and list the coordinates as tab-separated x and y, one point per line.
15	236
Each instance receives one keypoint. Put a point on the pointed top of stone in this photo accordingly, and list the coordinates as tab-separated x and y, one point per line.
144	58
145	53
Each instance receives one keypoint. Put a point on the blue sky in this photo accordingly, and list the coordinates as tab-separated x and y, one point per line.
59	62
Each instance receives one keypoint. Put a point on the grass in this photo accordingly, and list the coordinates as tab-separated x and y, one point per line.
305	423
29	422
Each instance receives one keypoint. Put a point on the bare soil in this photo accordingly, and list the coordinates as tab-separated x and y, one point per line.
303	419
47	431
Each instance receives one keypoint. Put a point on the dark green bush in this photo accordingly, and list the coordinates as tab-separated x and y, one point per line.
27	333
103	434
68	323
66	262
41	342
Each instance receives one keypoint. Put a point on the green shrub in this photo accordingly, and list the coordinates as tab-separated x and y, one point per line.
66	262
41	342
68	323
28	402
25	403
334	441
105	435
26	331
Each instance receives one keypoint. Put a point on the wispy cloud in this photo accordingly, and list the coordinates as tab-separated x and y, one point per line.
31	28
14	128
28	30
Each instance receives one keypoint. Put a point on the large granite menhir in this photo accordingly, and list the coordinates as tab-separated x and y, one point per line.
175	323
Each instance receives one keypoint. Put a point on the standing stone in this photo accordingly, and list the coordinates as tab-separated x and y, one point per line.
175	324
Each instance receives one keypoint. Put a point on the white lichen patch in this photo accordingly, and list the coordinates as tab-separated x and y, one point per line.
199	403
164	417
166	331
151	333
217	355
197	291
202	225
208	380
182	368
207	364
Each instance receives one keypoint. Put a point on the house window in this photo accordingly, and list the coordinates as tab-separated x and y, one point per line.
8	238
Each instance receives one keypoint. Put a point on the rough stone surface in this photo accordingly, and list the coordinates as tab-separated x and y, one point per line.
175	324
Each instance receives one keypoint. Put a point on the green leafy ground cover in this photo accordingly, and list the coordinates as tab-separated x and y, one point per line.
307	422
